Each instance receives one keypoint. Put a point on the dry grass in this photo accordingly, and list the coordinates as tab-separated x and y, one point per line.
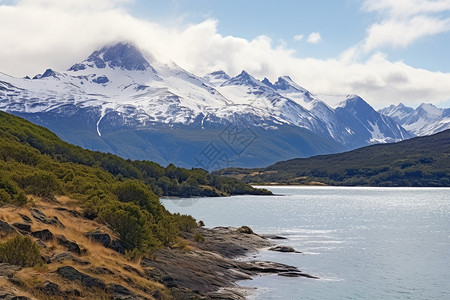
96	254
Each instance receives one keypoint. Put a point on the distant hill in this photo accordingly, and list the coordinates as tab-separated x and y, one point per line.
421	161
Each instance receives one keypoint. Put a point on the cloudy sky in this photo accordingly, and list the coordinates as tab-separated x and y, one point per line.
387	51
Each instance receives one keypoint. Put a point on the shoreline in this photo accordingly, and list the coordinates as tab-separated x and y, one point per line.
206	263
212	268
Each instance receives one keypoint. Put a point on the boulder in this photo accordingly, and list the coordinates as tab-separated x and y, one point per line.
70	245
6	229
44	235
100	237
284	249
8	270
70	273
22	227
41	217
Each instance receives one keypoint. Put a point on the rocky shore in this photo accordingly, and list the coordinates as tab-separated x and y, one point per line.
210	270
82	259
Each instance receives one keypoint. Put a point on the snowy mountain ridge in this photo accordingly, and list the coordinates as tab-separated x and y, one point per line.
119	88
426	119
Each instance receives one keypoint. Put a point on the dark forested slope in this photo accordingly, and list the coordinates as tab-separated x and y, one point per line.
422	161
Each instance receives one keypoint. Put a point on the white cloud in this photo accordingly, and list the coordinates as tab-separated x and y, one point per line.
298	37
405	21
406	8
314	38
36	34
404	32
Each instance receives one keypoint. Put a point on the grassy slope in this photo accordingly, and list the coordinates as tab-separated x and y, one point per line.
422	161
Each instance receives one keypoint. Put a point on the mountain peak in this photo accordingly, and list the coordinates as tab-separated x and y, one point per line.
47	73
244	78
120	55
429	109
285	83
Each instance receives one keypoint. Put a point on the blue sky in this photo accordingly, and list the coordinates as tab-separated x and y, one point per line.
387	51
341	24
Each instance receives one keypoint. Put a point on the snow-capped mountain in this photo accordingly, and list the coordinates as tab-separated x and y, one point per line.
123	101
426	119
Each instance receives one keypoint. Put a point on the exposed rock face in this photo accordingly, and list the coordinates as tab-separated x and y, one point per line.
5	228
23	227
71	273
8	270
44	235
41	217
102	238
70	245
212	267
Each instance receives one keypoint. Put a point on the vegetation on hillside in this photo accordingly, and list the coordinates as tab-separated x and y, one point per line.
121	193
422	161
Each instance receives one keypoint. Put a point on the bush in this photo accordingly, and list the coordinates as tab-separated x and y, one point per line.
185	222
245	229
135	226
168	230
21	251
11	194
40	183
199	238
138	193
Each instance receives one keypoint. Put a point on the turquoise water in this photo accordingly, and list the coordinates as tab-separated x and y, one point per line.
364	243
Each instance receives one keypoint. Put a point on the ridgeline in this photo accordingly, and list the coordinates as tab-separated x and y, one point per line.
422	161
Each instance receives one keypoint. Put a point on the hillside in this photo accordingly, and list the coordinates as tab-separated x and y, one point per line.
79	224
36	147
421	161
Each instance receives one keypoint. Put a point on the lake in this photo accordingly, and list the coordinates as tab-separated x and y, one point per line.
363	243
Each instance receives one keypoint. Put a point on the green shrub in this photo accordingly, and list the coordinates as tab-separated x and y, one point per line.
185	222
245	229
136	227
199	238
138	193
168	230
11	194
40	183
21	251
